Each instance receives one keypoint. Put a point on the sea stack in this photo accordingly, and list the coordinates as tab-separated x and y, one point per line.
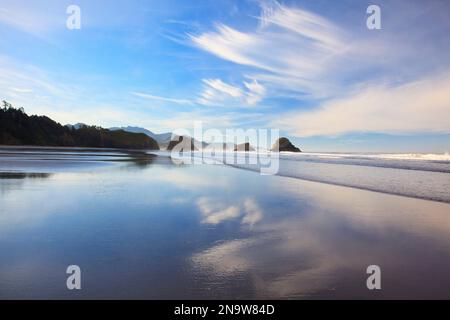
244	147
184	141
283	144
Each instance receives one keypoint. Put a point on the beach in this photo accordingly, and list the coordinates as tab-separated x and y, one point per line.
143	226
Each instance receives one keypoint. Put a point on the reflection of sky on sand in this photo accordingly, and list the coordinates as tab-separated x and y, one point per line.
214	211
177	231
338	233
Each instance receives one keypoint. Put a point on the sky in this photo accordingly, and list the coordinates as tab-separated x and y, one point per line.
311	69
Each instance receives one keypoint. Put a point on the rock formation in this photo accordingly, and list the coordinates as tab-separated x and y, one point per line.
283	144
244	147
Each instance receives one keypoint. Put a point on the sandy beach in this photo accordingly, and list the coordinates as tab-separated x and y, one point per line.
155	229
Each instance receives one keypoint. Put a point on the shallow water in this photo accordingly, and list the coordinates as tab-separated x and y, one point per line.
423	176
148	228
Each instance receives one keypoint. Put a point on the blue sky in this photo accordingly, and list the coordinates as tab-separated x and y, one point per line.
309	68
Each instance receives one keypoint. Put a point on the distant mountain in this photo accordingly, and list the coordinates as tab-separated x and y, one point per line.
17	128
160	137
76	125
244	147
283	144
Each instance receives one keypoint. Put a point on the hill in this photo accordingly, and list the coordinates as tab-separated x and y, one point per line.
161	138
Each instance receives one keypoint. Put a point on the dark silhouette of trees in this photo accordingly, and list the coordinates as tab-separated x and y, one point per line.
17	128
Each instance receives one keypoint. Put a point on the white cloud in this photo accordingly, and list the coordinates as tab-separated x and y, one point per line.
21	90
226	43
159	98
291	50
255	87
256	92
68	101
300	55
222	87
31	87
31	17
44	19
421	106
217	92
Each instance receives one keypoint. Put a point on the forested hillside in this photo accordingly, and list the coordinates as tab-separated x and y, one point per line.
17	128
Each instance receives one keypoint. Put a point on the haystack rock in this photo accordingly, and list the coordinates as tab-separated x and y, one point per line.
283	144
184	141
244	147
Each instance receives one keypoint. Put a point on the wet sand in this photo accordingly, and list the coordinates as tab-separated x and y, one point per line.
154	229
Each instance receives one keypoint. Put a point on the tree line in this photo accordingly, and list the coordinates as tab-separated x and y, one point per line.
18	128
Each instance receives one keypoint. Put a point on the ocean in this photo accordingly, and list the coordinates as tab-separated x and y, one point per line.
416	175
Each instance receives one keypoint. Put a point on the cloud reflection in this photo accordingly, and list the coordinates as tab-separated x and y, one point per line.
324	247
215	211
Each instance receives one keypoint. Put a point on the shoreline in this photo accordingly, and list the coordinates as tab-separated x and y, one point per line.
77	157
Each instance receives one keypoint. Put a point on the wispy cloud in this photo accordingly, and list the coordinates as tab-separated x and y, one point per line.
67	101
256	92
290	50
222	87
300	54
217	92
32	17
159	98
419	106
42	18
30	85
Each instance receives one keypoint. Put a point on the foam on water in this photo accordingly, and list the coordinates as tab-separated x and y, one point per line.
424	176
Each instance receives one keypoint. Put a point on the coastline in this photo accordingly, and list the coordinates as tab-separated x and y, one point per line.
422	179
